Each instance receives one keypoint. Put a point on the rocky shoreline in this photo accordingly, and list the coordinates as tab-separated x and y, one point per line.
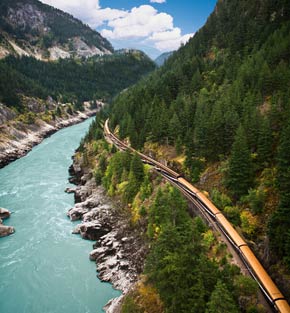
120	250
18	139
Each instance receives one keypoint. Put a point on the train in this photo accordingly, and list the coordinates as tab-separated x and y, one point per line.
255	268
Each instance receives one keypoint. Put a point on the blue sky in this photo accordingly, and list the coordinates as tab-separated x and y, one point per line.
154	26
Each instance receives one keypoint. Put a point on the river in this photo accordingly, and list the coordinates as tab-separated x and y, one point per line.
44	268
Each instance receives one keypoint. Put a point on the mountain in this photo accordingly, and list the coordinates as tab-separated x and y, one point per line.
70	80
31	28
159	61
222	101
53	70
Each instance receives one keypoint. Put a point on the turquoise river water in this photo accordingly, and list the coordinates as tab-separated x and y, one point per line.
44	268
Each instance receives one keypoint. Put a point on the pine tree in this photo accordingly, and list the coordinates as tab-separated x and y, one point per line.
240	174
265	142
137	168
279	225
174	129
221	300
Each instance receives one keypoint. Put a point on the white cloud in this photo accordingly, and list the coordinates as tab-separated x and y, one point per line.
143	24
138	23
169	42
88	11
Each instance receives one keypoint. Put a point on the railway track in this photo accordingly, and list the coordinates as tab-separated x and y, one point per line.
215	218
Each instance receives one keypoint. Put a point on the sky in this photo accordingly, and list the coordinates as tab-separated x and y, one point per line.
154	26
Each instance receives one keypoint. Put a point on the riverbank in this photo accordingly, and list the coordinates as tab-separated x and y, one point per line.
120	250
18	138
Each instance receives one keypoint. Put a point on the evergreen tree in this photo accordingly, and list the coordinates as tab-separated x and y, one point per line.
279	226
221	300
240	174
265	142
137	168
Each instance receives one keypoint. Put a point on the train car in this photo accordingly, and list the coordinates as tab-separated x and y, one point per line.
282	306
205	200
199	195
237	240
187	185
262	276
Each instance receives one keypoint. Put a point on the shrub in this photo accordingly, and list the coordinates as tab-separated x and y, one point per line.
233	214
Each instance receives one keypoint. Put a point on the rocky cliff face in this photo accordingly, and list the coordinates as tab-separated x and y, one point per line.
31	28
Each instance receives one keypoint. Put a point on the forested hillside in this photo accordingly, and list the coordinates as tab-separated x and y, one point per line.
70	80
222	101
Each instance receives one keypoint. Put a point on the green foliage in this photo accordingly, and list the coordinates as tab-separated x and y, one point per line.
279	225
129	306
146	188
240	174
177	265
27	118
233	214
221	300
58	111
114	171
246	289
168	208
94	78
265	143
124	175
249	223
255	199
221	200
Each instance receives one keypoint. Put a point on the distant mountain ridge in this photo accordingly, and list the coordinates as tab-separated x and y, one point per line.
159	61
31	28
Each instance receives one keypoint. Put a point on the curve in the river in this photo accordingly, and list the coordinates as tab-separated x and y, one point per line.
43	267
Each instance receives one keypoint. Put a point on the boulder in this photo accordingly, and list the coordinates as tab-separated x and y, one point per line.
77	212
93	230
4	213
6	230
70	190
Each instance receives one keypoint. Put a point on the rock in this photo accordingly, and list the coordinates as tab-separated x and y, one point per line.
70	190
6	230
4	213
124	265
76	230
113	306
94	254
93	230
1	222
77	212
